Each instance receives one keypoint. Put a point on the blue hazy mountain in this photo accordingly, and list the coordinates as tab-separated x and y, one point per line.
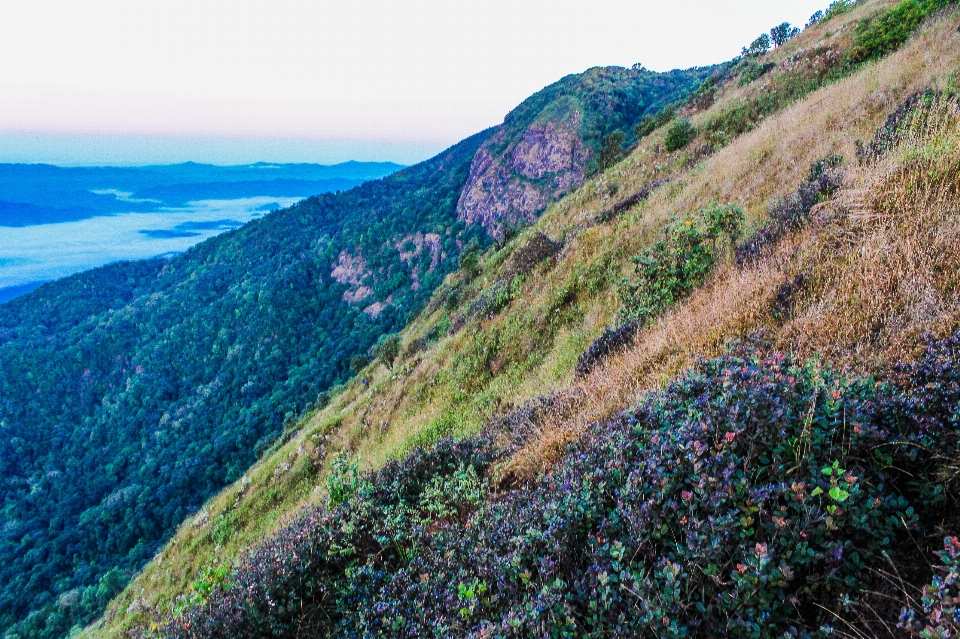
33	194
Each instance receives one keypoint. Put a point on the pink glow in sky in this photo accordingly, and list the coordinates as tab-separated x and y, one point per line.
336	79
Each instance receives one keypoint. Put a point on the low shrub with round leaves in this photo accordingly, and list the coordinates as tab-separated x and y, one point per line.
679	135
756	496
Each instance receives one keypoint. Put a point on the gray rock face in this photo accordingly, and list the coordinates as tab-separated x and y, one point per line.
513	180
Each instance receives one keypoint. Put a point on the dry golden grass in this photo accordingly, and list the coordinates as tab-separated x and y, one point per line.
883	266
757	167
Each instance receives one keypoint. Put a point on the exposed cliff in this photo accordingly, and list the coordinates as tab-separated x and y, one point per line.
546	146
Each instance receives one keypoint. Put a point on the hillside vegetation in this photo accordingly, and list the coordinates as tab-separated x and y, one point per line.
131	394
711	391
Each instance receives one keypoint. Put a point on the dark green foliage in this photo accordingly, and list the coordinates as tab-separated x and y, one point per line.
839	7
470	259
953	84
358	363
758	47
890	29
387	349
343	482
791	212
782	33
679	135
670	269
612	151
650	123
132	393
751	69
757	496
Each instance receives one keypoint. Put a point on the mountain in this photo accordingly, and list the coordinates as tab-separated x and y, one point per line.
549	143
132	393
43	194
713	391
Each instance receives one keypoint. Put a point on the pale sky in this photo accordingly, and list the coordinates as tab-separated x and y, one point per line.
234	81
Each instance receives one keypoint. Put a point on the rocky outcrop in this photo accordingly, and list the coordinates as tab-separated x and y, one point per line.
549	143
352	270
411	246
513	180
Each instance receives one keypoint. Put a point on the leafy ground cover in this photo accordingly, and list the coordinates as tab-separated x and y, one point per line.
756	496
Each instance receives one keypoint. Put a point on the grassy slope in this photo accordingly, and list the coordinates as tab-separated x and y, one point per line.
852	311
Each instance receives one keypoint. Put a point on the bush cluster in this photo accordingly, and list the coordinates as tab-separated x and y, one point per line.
629	202
836	8
756	496
911	112
650	123
890	29
790	213
679	135
939	601
610	341
527	257
671	268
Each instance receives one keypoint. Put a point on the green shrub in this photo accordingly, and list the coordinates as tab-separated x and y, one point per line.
670	269
358	363
343	481
890	29
782	33
387	349
650	123
953	83
758	47
752	69
680	135
470	259
839	7
612	151
208	582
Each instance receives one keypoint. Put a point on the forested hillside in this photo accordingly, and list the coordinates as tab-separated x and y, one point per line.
711	392
131	394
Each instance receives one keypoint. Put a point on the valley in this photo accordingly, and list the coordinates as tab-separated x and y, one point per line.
57	221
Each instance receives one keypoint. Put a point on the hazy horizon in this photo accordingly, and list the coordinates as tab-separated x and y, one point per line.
151	81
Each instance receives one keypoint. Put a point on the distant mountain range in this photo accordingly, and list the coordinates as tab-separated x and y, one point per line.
44	194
